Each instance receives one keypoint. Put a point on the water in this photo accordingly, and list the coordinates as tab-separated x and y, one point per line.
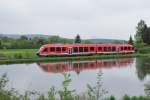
119	76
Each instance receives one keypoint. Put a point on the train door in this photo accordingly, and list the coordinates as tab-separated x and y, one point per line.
70	51
118	49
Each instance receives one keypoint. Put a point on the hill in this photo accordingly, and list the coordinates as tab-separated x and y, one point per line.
31	36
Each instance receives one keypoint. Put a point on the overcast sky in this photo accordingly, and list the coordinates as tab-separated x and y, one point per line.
115	19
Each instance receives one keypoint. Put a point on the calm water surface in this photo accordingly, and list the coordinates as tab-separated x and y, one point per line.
119	76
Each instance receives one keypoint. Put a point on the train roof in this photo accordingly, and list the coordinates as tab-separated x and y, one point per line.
70	45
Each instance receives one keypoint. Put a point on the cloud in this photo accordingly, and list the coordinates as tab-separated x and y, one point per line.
90	18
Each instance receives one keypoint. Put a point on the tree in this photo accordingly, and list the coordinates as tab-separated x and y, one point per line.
87	41
78	39
23	37
148	40
54	39
130	40
142	33
140	29
0	42
146	36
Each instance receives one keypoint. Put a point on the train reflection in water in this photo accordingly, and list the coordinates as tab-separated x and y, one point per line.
66	66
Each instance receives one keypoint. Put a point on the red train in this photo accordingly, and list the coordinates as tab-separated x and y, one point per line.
83	49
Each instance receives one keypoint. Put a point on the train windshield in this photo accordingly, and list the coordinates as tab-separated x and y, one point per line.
41	49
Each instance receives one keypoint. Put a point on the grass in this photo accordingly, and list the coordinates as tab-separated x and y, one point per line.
18	53
144	50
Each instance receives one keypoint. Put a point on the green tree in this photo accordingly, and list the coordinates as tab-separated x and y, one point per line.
146	36
130	40
41	41
140	30
78	39
23	37
54	39
0	43
87	41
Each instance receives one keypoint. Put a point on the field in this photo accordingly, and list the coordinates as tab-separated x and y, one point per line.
18	53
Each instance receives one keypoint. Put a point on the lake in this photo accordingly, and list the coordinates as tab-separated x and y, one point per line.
116	76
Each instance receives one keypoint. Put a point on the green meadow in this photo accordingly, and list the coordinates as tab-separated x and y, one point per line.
18	53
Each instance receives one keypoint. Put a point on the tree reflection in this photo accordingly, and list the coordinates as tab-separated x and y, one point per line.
147	89
142	67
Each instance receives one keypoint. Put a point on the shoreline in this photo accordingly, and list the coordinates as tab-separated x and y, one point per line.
85	57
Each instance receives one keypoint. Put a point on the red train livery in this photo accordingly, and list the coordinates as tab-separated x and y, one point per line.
83	49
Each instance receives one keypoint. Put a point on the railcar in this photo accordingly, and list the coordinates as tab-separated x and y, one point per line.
84	49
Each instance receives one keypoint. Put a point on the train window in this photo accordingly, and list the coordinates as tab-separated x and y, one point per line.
45	50
121	48
58	49
52	49
80	49
63	49
113	48
91	48
129	48
75	49
125	48
109	48
105	48
85	49
99	48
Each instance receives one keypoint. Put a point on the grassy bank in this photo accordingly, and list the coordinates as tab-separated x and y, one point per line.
29	55
18	54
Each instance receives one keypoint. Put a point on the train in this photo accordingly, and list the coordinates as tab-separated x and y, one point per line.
84	49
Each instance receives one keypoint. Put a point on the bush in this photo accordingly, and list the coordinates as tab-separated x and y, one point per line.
144	50
126	97
112	98
18	56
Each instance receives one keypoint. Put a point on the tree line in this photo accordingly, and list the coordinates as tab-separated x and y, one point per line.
33	43
142	36
142	33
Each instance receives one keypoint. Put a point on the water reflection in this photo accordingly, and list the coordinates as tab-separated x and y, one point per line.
117	76
142	68
78	66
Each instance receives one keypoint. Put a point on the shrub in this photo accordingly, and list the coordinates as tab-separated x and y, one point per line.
18	56
144	50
